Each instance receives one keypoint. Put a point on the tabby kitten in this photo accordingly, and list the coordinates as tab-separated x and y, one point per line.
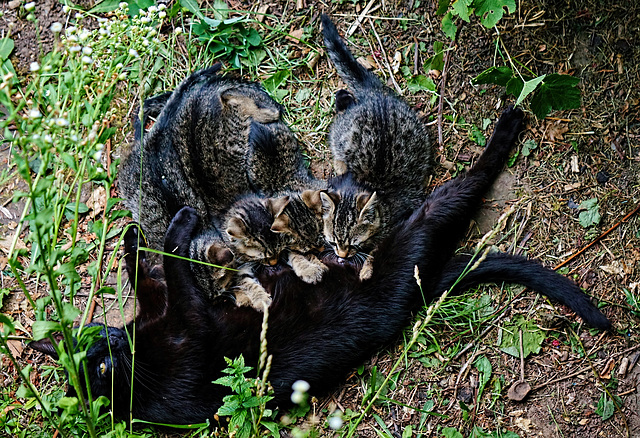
276	167
382	146
254	245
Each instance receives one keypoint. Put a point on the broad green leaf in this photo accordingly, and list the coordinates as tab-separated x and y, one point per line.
451	432
491	11
193	7
514	86
443	6
532	337
7	323
557	92
528	146
41	329
494	75
605	407
273	82
448	26
591	214
484	368
420	83
529	87
477	136
6	47
461	9
105	6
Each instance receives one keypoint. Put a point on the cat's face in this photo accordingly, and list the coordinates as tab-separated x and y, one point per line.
350	220
249	229
299	217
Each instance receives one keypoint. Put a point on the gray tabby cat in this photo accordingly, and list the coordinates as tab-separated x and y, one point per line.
382	156
196	154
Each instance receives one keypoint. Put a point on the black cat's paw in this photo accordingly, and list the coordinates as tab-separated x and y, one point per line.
132	240
511	121
180	231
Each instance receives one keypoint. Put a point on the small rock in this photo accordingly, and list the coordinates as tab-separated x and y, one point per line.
602	177
13	4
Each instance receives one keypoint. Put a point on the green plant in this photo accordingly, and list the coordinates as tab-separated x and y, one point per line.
57	124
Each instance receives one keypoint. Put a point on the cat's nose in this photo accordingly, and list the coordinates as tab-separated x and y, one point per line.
342	253
273	261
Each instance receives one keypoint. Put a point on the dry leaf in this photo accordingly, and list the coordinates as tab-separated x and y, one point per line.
575	168
615	268
524	424
606	372
556	131
295	35
97	201
15	347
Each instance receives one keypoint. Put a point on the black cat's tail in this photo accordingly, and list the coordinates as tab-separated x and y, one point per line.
500	267
355	75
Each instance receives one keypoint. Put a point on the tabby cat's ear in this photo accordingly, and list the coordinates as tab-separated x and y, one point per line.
281	221
312	200
368	207
328	204
276	205
236	227
237	97
219	255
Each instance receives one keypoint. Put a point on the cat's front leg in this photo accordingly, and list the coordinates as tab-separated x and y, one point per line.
308	268
249	292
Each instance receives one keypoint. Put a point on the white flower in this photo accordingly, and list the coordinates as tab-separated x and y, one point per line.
99	169
78	16
87	50
162	14
335	421
87	60
34	113
134	53
75	49
152	8
99	146
56	27
34	66
145	20
300	386
162	7
35	137
62	121
119	66
84	35
97	156
48	139
30	6
122	76
66	9
123	5
71	30
297	397
145	42
178	30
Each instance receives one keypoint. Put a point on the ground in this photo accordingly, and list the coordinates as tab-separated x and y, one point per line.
591	152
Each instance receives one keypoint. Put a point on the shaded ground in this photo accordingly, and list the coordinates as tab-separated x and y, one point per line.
593	152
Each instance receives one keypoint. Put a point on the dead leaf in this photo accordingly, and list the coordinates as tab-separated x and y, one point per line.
97	201
524	424
519	390
295	35
5	244
575	168
556	131
262	10
606	372
615	268
15	347
584	422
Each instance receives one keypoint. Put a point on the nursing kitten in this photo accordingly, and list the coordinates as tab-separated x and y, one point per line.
382	146
254	245
317	333
276	167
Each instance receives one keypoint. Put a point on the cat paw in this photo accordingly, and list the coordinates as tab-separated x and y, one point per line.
312	274
178	237
257	302
366	272
511	121
132	240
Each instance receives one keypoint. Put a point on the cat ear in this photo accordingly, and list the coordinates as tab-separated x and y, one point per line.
219	255
277	205
281	224
343	100
236	97
368	207
236	227
312	200
44	346
328	204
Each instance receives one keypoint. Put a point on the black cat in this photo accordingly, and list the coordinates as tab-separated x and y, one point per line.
316	332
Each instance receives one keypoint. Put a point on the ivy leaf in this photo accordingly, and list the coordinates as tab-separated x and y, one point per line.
529	87
494	75
448	26
591	214
491	11
557	92
529	146
421	83
451	432
514	86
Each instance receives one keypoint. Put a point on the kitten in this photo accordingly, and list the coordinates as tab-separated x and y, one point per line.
254	245
317	333
276	168
380	142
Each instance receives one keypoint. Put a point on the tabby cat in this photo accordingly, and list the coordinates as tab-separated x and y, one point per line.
382	146
316	333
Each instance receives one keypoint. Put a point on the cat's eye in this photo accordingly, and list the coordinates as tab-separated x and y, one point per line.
102	368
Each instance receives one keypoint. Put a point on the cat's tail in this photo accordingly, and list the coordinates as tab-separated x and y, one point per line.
355	75
500	267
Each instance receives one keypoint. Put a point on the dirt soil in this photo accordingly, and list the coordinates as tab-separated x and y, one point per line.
591	152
